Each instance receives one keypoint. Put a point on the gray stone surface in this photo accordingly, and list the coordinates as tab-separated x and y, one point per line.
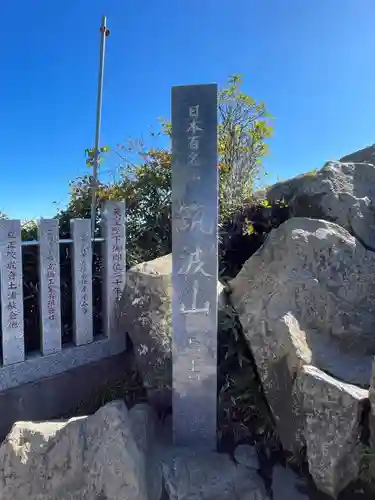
81	459
114	263
145	430
372	406
286	485
247	455
192	474
195	263
37	367
331	413
307	297
343	193
147	303
115	454
12	328
80	230
17	370
365	155
63	393
50	293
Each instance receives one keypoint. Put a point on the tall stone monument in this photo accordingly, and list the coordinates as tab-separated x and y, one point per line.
195	264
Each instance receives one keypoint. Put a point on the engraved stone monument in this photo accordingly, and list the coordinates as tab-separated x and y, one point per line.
114	233
195	264
49	269
11	292
82	281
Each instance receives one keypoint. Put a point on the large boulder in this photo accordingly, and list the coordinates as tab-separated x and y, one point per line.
115	454
101	456
307	297
365	155
339	192
146	315
331	413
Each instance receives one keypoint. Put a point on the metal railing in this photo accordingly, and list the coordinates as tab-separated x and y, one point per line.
66	241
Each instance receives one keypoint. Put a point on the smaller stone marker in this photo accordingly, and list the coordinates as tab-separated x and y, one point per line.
80	230
49	269
114	262
195	264
12	326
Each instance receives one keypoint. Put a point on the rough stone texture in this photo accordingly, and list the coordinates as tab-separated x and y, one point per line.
372	407
145	431
146	306
209	476
115	454
286	485
365	155
307	296
343	193
146	317
247	455
331	413
84	458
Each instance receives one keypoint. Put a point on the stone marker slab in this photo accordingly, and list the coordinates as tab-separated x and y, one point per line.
13	344
80	230
50	294
114	263
194	264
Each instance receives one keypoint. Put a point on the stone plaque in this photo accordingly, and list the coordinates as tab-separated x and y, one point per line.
114	265
195	264
11	292
80	230
49	269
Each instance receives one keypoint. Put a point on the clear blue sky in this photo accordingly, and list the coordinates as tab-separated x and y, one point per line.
312	62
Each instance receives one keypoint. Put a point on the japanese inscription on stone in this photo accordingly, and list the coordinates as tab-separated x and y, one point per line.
49	267
195	264
11	292
82	281
114	262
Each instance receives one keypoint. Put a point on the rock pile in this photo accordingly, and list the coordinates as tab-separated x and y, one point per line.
117	454
306	304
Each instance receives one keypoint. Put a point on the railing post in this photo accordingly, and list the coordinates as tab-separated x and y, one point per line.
114	263
13	343
82	281
50	294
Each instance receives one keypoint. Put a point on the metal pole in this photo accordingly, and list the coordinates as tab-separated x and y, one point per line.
104	32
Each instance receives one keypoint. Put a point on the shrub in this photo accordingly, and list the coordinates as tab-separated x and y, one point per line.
245	229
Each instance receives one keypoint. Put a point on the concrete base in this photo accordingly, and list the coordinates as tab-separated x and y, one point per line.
61	394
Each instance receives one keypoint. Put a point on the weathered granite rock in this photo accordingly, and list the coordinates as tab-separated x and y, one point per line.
372	407
247	455
365	155
307	296
84	458
115	454
209	476
145	430
286	485
343	193
146	306
331	413
146	317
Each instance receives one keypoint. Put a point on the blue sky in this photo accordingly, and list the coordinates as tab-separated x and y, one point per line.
313	63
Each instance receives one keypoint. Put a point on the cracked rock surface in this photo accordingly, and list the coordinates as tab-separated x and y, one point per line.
306	303
115	455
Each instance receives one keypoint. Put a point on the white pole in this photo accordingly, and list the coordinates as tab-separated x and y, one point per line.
104	32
